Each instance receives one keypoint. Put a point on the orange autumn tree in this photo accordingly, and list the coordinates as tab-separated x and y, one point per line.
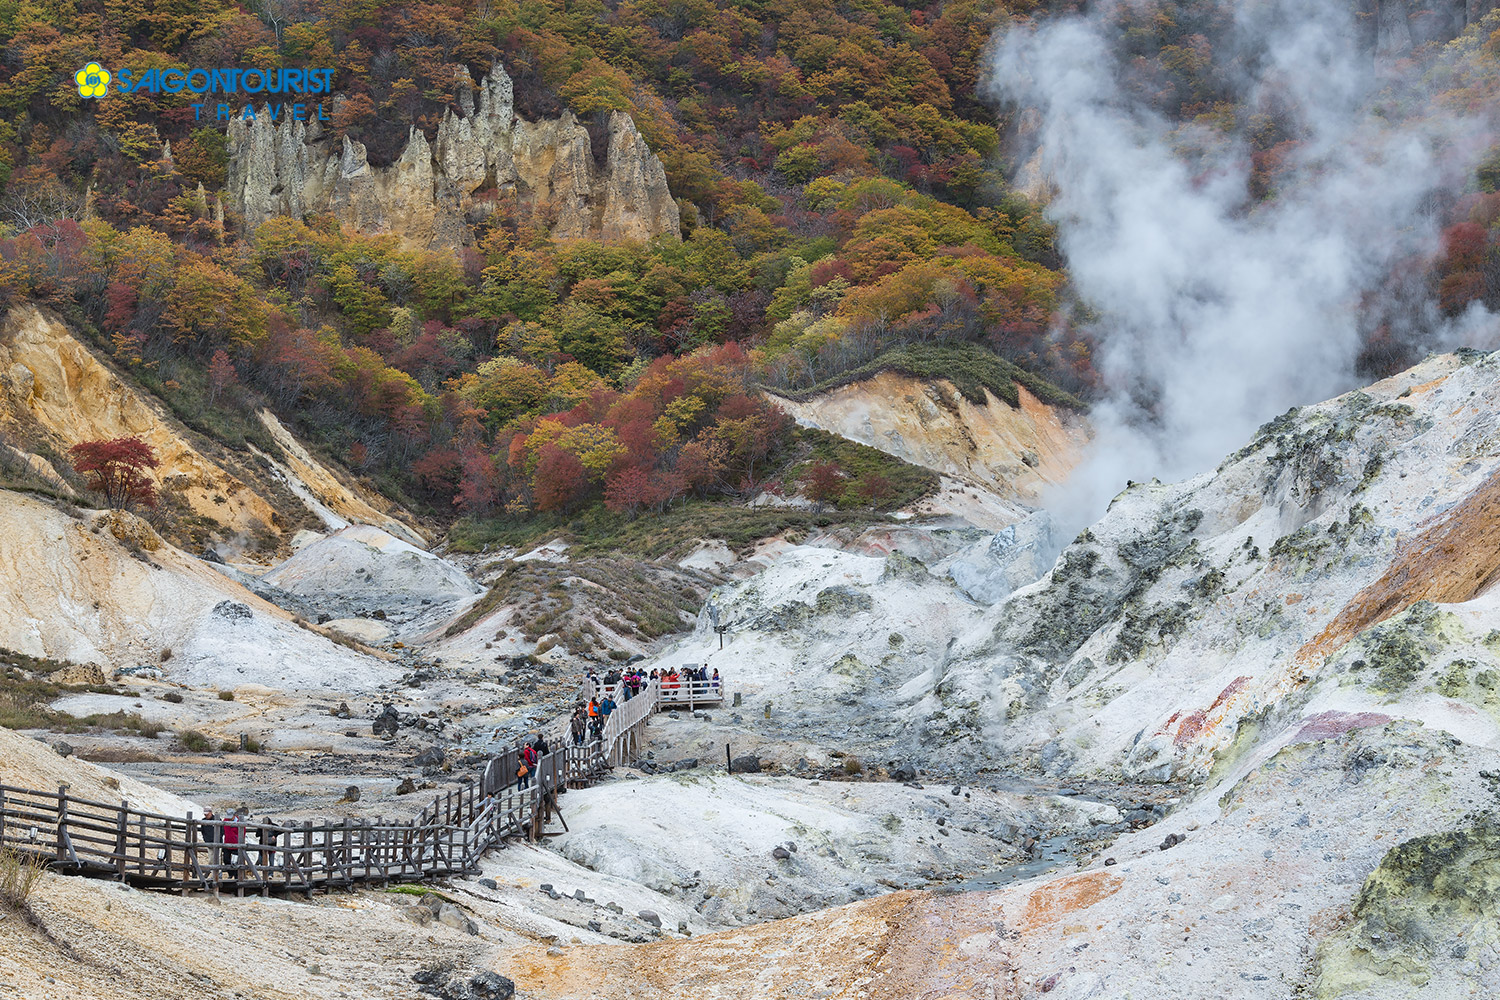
117	470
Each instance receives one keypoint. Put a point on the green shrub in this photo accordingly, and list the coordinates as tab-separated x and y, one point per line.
194	741
970	368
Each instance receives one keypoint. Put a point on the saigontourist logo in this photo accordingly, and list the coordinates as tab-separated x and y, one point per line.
94	82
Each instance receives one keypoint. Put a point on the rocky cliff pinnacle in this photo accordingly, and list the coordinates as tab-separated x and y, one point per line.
480	158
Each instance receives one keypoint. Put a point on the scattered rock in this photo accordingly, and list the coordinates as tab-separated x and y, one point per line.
489	883
63	748
233	611
387	722
431	757
650	917
748	764
406	787
904	773
1173	839
452	916
351	794
489	986
781	854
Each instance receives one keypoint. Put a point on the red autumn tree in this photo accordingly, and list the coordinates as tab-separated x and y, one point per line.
117	469
876	488
560	479
823	483
629	490
221	375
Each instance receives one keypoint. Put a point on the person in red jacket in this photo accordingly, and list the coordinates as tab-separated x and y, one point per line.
232	833
527	767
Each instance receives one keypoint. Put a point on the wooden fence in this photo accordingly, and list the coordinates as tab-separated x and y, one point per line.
448	837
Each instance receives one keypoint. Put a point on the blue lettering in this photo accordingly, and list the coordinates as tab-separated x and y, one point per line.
172	80
197	111
198	88
223	112
273	110
222	81
124	81
249	114
299	112
260	81
321	116
296	79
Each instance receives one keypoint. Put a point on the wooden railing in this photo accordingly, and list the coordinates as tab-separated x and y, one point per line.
448	837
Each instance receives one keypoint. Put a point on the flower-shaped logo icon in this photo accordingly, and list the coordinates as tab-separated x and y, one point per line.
92	80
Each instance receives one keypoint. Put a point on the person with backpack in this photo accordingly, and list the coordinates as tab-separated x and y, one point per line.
579	726
526	766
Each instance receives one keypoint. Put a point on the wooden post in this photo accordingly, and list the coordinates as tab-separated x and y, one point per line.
190	858
62	819
120	822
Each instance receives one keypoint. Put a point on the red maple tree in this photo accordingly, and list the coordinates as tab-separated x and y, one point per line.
117	469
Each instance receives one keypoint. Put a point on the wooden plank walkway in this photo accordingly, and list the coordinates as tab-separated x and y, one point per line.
449	837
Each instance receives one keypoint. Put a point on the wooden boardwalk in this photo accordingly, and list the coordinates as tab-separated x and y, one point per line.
150	850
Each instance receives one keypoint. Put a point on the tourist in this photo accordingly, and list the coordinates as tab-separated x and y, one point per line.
526	766
579	725
209	829
542	749
714	682
231	834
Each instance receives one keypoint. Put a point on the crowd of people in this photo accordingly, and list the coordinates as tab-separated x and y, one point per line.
225	838
629	683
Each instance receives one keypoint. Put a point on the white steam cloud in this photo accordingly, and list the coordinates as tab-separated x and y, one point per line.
1216	312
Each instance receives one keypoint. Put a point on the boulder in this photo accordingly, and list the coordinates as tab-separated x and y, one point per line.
452	916
431	757
748	764
387	722
79	675
490	986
